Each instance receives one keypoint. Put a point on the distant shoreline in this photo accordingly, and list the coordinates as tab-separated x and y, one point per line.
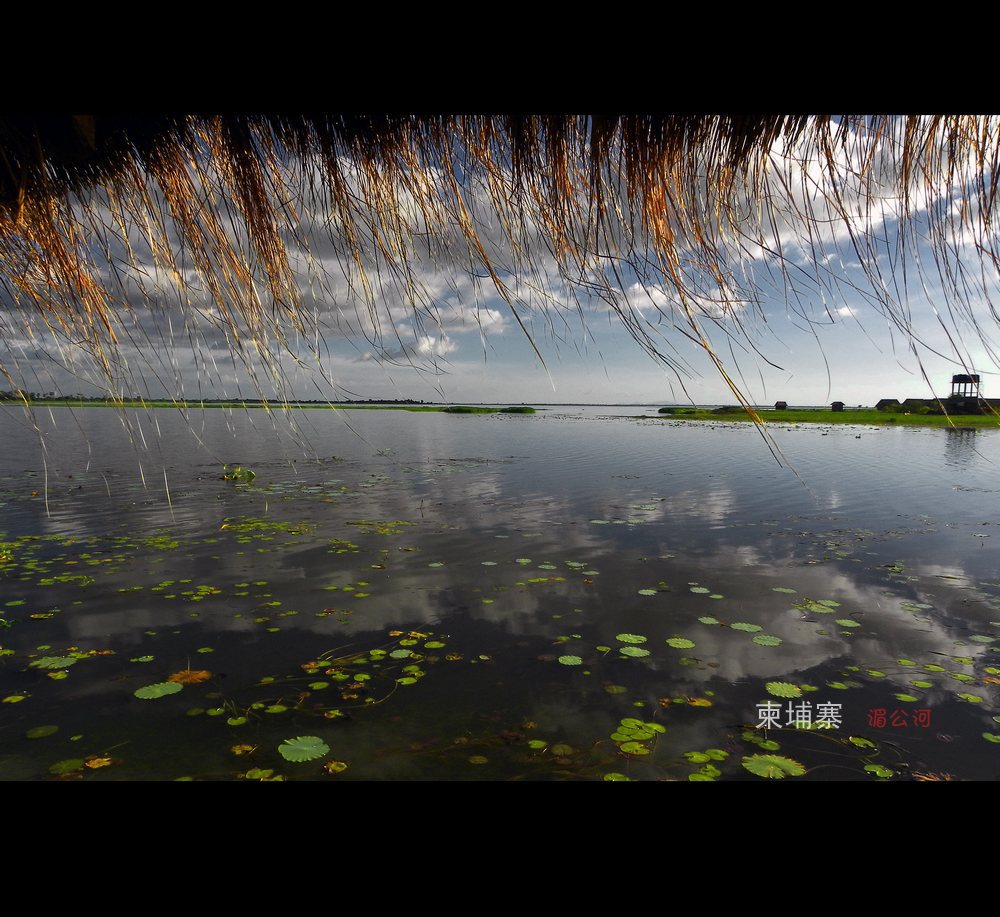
823	416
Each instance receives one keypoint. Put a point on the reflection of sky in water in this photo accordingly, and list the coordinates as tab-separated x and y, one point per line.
599	508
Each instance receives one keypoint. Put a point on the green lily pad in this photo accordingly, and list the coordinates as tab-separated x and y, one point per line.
635	651
161	689
783	689
847	622
53	662
748	628
537	744
922	684
783	589
617	778
562	750
774	767
700	590
406	680
647	592
303	748
68	766
839	685
40	732
570	660
905	662
767	640
634	748
716	754
400	654
934	667
697	757
680	643
708	619
991	737
861	742
615	689
879	770
630	638
971	698
906	698
275	708
433	645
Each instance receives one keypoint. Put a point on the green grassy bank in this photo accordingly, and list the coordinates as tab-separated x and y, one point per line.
828	418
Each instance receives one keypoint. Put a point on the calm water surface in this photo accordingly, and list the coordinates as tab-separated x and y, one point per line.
461	597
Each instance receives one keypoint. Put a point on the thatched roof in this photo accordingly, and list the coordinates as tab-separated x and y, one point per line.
218	202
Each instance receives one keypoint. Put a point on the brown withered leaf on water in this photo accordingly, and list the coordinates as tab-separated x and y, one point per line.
189	676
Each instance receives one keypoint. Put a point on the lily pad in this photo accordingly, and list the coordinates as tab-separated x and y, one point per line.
847	622
971	698
161	689
906	698
303	748
68	766
748	628
767	640
636	652
680	643
647	592
630	638
570	660
991	737
40	732
783	689
708	619
634	748
701	590
774	767
861	742
783	589
53	662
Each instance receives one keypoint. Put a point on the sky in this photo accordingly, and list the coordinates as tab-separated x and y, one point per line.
808	336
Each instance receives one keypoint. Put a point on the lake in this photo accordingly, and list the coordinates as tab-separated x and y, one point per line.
572	595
